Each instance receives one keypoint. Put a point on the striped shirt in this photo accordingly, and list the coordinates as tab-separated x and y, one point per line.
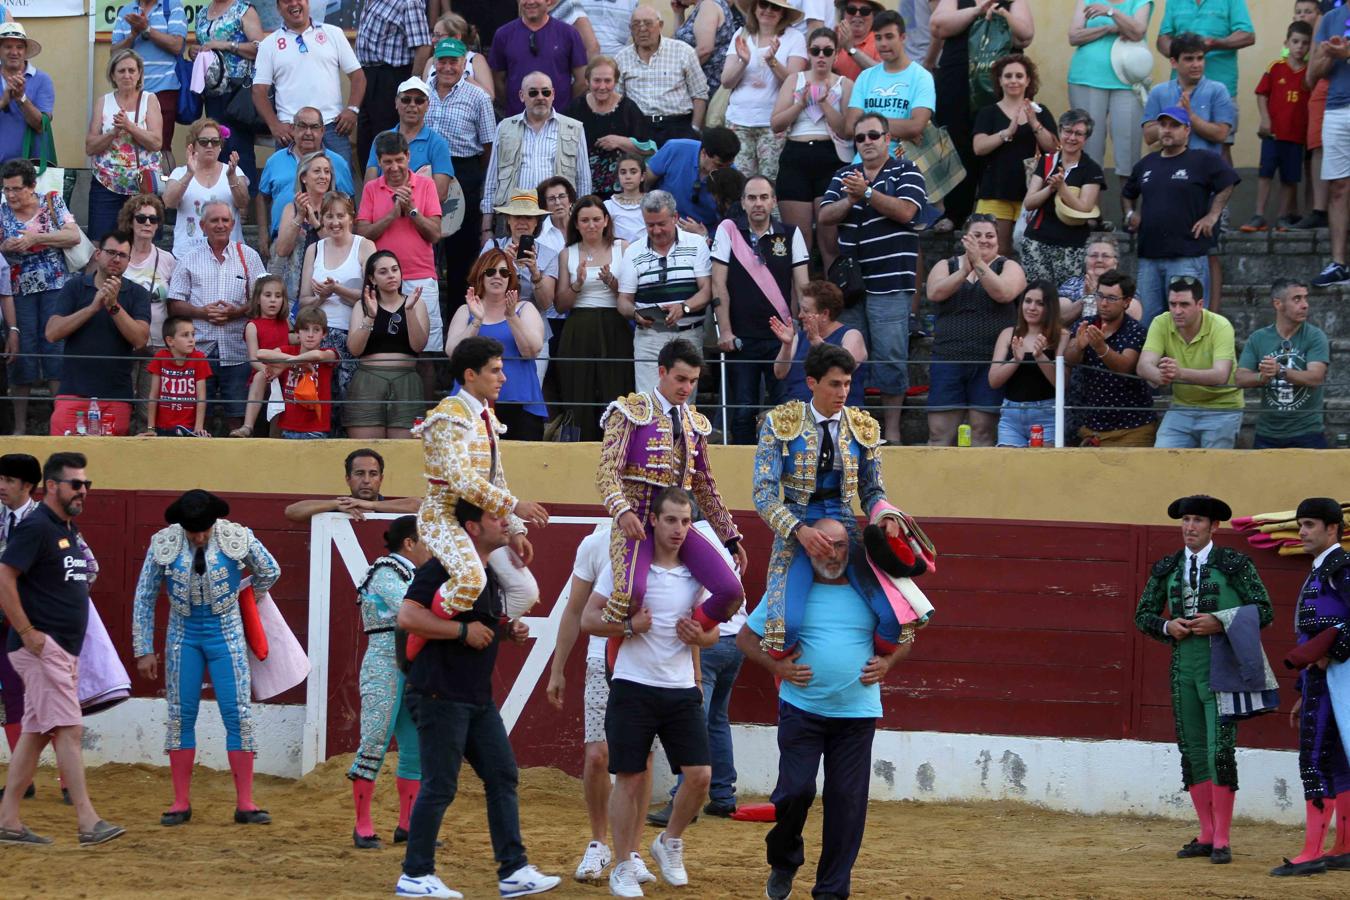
654	279
160	74
464	118
201	279
538	158
665	85
887	249
390	30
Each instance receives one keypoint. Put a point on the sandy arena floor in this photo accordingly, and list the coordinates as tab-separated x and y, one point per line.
912	850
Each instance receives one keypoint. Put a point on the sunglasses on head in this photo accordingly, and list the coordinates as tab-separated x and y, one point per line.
539	92
143	219
1183	281
863	137
821	51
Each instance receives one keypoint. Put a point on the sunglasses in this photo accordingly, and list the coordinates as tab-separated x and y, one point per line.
143	219
413	99
300	43
665	272
768	5
539	92
821	51
502	272
534	46
394	322
77	484
864	137
1183	281
865	10
208	142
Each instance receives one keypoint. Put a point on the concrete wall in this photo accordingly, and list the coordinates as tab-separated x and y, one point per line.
69	69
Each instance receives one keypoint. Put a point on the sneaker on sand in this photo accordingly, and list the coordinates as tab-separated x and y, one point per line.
623	880
1334	273
779	885
644	874
425	886
669	854
527	880
593	862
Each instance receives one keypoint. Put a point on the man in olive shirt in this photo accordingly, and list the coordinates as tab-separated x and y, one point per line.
1192	349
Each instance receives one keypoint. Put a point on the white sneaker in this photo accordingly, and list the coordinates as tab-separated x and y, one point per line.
425	886
623	880
669	854
593	862
644	875
527	880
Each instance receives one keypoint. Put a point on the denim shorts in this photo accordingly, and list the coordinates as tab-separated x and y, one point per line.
883	320
962	386
1014	424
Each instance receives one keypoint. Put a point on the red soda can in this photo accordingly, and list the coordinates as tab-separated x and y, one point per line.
1037	436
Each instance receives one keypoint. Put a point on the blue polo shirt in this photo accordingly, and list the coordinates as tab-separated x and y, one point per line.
1210	19
277	181
53	579
677	165
835	639
427	149
1209	101
1336	22
42	93
160	74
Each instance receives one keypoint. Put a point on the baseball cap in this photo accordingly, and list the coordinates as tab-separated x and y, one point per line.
414	84
1176	114
450	47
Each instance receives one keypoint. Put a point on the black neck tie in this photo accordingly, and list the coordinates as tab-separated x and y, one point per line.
825	462
199	561
13	522
1195	573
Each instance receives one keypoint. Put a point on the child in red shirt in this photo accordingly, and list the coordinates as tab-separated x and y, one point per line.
178	376
268	328
1282	97
307	378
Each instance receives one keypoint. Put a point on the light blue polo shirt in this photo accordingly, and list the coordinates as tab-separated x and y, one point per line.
427	149
836	642
159	63
1209	101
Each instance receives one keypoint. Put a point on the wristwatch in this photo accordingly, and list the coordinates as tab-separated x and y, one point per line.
867	194
355	109
627	628
413	213
684	308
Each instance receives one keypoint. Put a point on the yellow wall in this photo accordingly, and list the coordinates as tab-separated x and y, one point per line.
1126	486
1051	51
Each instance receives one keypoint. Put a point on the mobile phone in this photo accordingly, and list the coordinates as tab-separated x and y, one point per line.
649	313
526	244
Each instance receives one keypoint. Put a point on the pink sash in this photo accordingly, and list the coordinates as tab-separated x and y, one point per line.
757	271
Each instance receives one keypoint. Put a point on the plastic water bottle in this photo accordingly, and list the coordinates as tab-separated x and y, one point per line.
1037	438
80	427
95	417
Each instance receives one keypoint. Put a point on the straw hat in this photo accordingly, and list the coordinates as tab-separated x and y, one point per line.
13	31
522	203
791	15
1070	216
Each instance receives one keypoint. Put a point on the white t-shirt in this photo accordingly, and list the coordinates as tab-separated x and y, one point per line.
628	222
310	78
751	103
187	227
824	10
609	21
592	559
658	658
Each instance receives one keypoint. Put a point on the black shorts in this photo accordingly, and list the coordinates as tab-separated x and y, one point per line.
805	169
637	713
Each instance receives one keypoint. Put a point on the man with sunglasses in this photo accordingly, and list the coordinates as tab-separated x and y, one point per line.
1288	363
875	204
428	151
101	318
276	185
44	595
537	42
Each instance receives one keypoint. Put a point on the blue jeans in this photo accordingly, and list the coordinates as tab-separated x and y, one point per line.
39	359
304	435
751	385
104	205
1153	276
342	146
1014	424
720	664
1190	426
240	140
228	385
448	733
883	320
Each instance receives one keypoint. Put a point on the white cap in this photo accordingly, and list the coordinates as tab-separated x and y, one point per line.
414	84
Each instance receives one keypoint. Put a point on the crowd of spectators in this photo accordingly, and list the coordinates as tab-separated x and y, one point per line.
585	188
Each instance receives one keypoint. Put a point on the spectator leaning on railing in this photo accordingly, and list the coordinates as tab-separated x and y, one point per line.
1288	362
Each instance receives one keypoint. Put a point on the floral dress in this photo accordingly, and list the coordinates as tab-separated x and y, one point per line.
731	21
228	27
119	167
39	269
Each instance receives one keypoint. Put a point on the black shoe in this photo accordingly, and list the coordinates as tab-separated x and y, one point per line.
1194	850
1315	219
65	796
173	817
366	843
721	810
661	817
27	795
779	886
1221	856
1338	861
252	817
1314	867
401	837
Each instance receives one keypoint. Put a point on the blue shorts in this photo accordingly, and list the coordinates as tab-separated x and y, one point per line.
1286	156
962	386
883	320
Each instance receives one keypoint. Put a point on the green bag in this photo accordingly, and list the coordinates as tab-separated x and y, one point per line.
50	176
988	40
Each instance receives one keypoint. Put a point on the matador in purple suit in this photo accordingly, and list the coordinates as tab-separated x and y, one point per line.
1321	620
653	441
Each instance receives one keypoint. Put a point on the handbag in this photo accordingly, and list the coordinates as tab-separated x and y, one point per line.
936	156
846	274
239	110
77	257
189	104
988	40
39	148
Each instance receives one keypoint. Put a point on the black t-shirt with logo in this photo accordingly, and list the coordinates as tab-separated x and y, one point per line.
451	669
53	579
1177	192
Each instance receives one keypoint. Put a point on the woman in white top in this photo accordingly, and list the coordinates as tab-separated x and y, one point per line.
151	268
123	141
475	66
810	109
625	206
596	350
331	279
767	53
205	179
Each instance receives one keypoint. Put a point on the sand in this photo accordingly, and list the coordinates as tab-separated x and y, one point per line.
912	850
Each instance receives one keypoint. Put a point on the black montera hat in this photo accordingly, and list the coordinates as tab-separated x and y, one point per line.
197	510
1200	505
1323	509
